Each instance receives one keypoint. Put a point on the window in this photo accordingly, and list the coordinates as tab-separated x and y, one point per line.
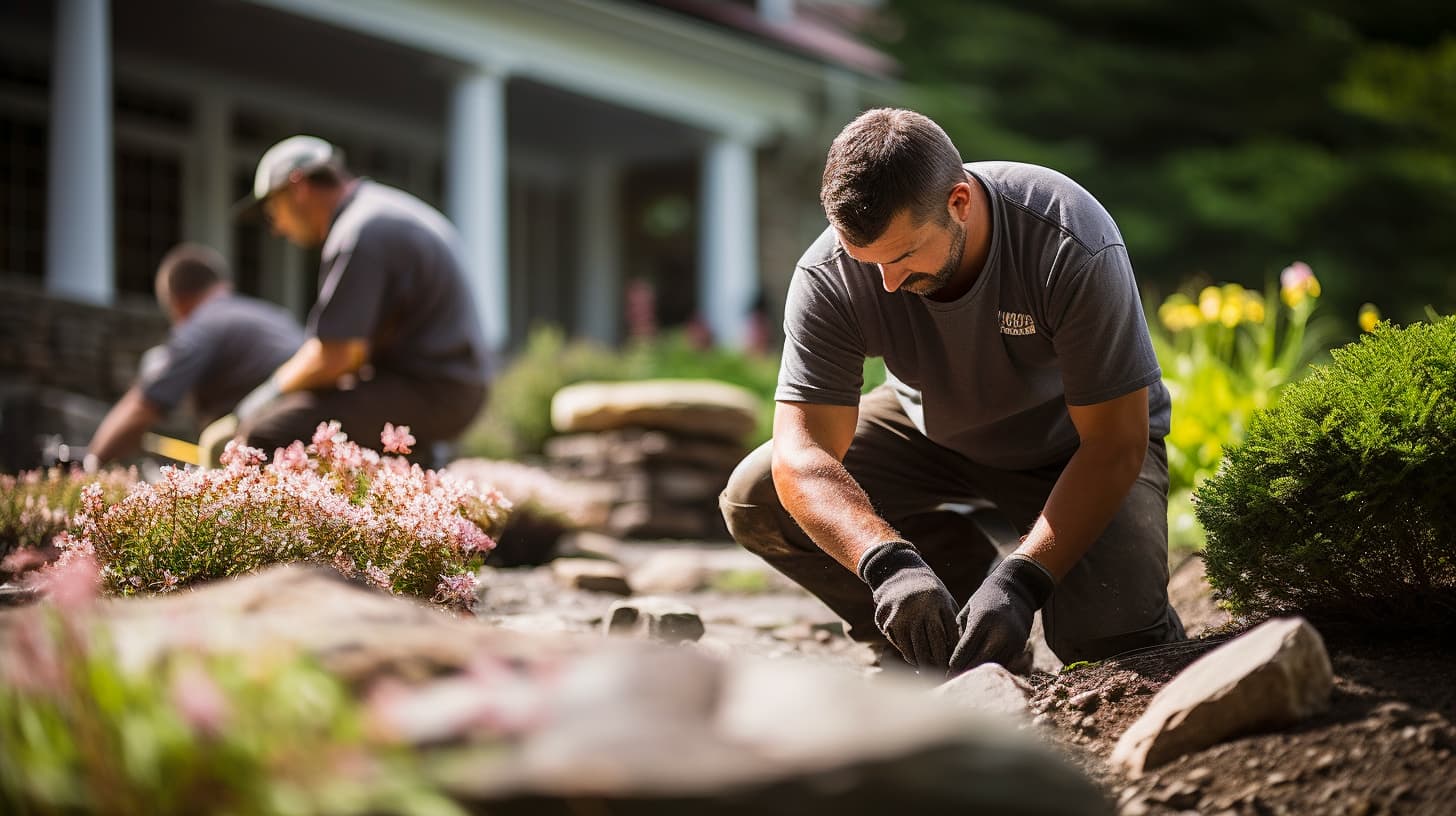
23	157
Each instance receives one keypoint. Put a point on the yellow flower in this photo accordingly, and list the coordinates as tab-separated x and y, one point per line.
1254	308
1231	306
1296	283
1174	313
1210	302
1232	313
1178	313
1369	317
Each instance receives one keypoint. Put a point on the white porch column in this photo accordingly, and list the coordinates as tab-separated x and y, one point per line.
80	242
475	193
599	278
728	240
207	215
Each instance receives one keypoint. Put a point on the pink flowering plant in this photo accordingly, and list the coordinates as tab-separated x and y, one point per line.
38	505
375	517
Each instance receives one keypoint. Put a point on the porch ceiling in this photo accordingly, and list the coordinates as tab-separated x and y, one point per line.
249	51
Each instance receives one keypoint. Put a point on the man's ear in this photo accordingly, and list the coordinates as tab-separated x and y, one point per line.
958	204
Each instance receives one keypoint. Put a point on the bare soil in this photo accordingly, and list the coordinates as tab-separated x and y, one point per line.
1384	746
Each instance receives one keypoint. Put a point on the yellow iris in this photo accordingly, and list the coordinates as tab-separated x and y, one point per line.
1210	303
1178	313
1369	317
1298	290
1254	308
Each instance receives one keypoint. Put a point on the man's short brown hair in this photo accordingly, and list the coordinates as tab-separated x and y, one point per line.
885	161
189	270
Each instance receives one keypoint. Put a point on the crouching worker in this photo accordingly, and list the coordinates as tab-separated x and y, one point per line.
222	346
1021	374
394	335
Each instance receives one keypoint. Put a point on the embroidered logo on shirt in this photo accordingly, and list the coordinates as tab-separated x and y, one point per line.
1016	323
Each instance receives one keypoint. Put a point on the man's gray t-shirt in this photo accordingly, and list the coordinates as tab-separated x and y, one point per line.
392	273
224	349
1054	319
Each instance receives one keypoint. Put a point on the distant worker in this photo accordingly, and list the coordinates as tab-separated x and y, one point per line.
222	346
394	335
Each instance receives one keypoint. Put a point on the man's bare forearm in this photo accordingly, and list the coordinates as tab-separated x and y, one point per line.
120	432
1083	501
317	364
831	507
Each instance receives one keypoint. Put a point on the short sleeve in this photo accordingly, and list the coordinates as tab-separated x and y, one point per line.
1100	334
824	351
355	288
186	358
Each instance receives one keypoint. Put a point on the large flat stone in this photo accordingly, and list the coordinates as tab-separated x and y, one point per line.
1274	675
695	407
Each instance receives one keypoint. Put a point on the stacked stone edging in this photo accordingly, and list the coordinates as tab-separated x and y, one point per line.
665	447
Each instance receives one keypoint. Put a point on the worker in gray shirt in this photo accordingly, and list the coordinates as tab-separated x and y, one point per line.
1021	375
394	335
222	346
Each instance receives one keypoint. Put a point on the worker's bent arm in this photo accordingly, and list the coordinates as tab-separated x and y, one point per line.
1114	443
320	363
120	432
809	443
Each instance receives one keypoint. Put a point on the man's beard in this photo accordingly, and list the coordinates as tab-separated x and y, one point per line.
924	284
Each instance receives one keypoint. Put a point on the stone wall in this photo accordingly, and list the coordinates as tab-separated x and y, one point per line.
79	348
61	364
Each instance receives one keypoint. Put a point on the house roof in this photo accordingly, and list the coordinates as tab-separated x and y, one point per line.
823	31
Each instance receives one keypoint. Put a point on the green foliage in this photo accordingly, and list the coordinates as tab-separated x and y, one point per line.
1218	135
1339	502
874	374
192	734
517	419
740	582
1226	355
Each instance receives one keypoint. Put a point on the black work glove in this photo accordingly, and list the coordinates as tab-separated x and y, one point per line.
912	606
996	621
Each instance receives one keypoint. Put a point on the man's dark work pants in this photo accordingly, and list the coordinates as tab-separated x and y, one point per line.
435	411
1115	598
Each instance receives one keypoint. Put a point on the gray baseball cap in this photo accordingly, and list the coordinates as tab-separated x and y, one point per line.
302	153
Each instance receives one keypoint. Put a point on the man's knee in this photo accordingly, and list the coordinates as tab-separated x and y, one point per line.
1074	641
751	508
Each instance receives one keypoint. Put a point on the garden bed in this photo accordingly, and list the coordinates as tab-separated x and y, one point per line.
1384	746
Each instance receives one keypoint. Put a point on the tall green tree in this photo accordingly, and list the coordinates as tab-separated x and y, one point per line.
1229	138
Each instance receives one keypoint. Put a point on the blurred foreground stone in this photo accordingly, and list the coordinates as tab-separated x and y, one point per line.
553	723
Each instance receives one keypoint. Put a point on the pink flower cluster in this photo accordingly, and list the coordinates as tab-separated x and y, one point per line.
37	505
393	524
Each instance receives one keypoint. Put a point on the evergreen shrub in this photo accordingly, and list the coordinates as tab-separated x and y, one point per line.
1341	501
